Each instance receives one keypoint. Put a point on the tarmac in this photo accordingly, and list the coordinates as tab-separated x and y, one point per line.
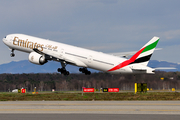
76	110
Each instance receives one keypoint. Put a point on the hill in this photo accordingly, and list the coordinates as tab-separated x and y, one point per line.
25	66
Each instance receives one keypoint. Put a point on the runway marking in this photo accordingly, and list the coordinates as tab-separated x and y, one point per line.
92	104
160	110
24	110
84	110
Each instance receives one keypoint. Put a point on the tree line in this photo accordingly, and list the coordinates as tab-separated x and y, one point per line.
75	82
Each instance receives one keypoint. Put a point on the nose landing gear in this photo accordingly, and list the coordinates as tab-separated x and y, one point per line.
12	53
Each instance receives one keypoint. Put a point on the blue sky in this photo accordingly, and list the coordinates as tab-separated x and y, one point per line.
104	25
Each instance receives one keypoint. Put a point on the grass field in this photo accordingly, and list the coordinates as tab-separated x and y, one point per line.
60	96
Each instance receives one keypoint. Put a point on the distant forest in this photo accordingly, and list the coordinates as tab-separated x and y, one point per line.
75	82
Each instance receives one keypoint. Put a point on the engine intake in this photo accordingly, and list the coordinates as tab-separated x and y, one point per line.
37	58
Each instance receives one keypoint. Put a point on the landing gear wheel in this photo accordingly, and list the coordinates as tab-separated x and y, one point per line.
59	69
66	73
63	71
85	71
12	54
80	69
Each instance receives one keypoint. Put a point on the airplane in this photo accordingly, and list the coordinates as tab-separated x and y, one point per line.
41	51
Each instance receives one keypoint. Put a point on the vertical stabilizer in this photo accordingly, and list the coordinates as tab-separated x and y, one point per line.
145	53
141	57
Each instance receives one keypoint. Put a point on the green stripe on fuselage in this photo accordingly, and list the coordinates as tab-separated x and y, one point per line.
151	46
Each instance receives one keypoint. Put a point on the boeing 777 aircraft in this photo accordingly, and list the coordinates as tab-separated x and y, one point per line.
42	50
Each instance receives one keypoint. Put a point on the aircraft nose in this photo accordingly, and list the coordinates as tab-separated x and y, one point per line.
4	39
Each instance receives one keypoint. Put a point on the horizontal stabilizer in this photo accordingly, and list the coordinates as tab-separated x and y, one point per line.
165	68
139	69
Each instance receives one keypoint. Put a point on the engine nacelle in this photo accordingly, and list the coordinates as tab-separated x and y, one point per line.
37	58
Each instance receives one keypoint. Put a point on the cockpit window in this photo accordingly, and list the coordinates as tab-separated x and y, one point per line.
5	37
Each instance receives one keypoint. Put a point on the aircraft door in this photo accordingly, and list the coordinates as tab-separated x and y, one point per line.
11	40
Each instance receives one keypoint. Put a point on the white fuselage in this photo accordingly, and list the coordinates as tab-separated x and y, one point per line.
75	55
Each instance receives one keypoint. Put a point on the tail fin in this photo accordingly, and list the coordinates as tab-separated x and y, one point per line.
144	54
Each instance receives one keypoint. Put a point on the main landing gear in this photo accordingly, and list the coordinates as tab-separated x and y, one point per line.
63	69
85	71
12	53
65	72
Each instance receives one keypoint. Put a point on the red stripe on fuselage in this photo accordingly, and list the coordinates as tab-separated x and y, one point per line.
127	62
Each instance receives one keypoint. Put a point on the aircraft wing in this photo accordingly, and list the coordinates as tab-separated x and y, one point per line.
69	60
47	56
126	54
137	68
38	51
159	68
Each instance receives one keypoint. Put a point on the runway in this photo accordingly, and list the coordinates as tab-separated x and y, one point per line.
93	107
90	109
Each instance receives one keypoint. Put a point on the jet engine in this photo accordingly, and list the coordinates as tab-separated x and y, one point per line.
37	58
